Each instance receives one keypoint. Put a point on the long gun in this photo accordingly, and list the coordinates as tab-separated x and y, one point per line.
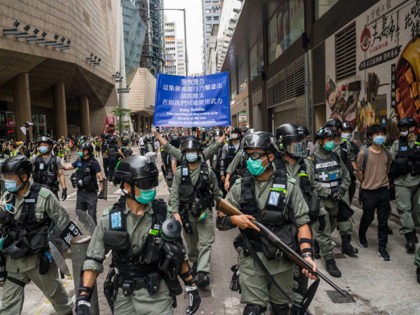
228	209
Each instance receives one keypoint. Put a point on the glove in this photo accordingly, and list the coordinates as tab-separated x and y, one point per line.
337	194
101	195
64	194
83	305
194	299
234	282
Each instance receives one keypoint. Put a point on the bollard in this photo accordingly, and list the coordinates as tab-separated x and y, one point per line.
79	246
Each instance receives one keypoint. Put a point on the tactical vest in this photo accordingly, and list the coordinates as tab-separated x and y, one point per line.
156	260
46	173
230	153
199	196
344	154
274	210
310	197
328	171
27	235
408	159
85	179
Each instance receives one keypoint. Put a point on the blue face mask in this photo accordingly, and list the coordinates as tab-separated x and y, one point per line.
80	154
329	146
11	185
379	140
255	167
146	196
191	157
43	149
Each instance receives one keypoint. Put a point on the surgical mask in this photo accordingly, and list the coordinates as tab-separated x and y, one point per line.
11	185
146	196
255	167
345	136
191	157
80	154
43	149
329	146
379	140
404	133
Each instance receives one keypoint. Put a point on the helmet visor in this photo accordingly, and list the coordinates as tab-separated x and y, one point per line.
146	183
296	148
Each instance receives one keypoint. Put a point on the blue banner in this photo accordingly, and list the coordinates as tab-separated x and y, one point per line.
201	101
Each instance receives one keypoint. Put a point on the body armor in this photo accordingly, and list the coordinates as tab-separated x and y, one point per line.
83	178
328	171
46	174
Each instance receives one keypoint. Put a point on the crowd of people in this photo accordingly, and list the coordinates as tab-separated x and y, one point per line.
300	188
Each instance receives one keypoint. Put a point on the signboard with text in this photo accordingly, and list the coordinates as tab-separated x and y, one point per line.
199	101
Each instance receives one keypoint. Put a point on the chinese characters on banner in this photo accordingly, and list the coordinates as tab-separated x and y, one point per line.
200	101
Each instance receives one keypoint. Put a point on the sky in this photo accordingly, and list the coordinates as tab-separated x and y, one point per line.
194	29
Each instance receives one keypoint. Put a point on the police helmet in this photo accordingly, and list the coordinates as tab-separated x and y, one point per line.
263	140
127	151
347	126
287	133
334	124
190	143
45	139
175	141
324	132
17	165
87	146
304	130
137	170
406	122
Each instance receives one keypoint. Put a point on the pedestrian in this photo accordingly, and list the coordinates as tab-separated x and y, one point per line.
405	171
372	166
29	213
147	258
331	183
271	197
47	168
194	190
113	148
85	179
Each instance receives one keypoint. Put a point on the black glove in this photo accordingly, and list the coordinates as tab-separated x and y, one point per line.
64	194
234	282
337	193
194	299
83	305
101	195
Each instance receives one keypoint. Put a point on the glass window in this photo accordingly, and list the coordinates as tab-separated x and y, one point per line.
322	6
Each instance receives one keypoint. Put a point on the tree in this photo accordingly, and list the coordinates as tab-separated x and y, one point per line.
122	122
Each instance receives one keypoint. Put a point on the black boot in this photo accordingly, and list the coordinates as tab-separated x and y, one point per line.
332	268
346	247
411	242
203	279
418	275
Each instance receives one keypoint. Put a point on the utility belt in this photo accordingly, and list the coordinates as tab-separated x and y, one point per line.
133	281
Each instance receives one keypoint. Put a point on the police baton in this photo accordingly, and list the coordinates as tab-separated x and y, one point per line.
227	208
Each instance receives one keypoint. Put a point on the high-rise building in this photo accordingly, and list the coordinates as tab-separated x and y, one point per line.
170	48
152	57
180	57
211	16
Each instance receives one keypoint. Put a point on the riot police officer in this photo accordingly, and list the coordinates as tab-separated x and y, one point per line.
105	148
292	145
273	198
85	179
147	250
193	193
28	215
405	170
331	183
113	149
47	169
229	151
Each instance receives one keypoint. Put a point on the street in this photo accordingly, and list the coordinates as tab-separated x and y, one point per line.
377	287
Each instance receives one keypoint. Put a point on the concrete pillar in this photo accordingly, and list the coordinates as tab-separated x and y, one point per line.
60	110
84	109
22	101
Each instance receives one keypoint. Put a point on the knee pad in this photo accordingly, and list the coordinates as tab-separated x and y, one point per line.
253	310
279	309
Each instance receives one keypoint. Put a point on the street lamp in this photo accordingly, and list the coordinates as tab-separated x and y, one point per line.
185	34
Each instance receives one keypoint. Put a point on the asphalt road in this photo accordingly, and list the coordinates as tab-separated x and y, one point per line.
377	287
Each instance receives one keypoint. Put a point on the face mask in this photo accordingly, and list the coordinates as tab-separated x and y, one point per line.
10	185
345	136
329	146
43	149
404	133
146	196
255	166
191	157
379	140
80	154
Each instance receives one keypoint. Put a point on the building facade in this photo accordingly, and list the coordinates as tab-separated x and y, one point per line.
306	61
56	65
180	57
170	48
211	16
